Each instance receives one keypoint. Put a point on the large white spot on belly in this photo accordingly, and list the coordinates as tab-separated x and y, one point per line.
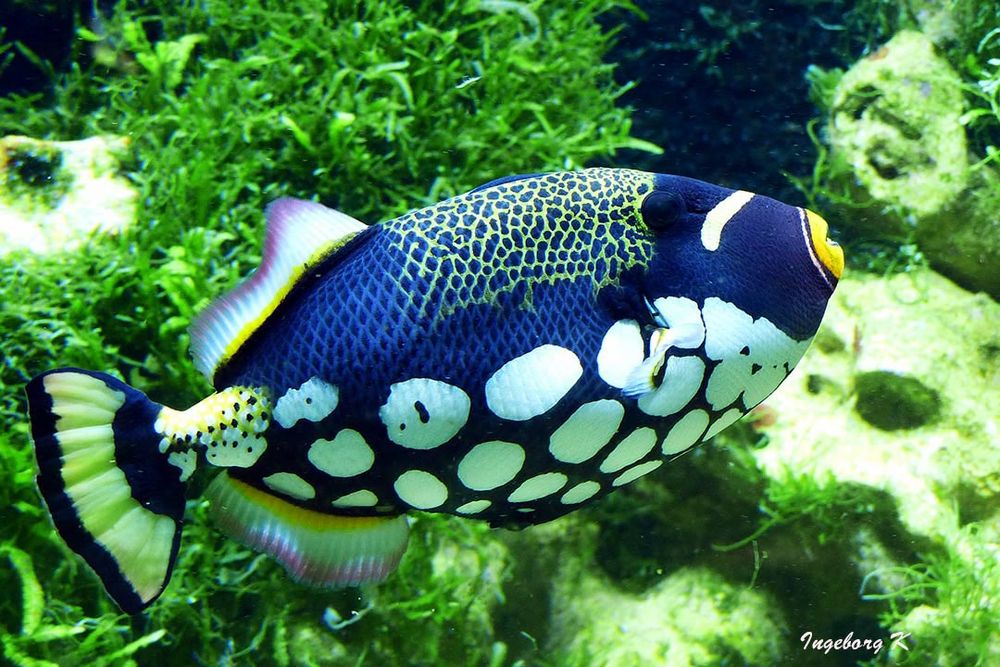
473	507
720	215
728	418
362	498
636	472
423	413
754	355
587	430
621	351
420	489
313	400
685	432
579	493
681	381
533	383
636	445
538	486
491	464
290	484
345	456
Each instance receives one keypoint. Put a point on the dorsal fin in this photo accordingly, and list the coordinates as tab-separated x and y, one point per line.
300	234
505	179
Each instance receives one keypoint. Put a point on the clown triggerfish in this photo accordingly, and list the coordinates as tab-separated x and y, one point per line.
509	355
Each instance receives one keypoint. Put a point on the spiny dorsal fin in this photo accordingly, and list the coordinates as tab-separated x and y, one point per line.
300	234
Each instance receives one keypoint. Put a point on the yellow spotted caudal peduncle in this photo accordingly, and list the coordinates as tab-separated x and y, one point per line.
228	426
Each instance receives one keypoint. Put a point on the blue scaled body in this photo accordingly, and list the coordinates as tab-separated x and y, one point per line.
508	355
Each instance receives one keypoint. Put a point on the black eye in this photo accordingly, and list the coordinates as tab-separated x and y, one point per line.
660	210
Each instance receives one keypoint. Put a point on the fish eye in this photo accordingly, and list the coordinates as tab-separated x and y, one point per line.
660	210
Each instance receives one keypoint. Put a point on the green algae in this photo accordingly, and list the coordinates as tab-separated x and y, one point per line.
893	401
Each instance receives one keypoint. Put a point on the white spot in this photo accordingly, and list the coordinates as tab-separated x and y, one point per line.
185	461
491	464
636	472
345	456
636	445
313	400
538	486
587	430
290	485
754	355
423	414
728	418
722	213
685	432
683	318
533	383
621	351
420	489
579	493
681	381
727	328
473	507
362	498
232	450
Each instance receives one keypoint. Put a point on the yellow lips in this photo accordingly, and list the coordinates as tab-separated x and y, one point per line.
827	251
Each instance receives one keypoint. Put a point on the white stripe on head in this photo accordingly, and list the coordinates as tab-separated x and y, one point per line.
720	215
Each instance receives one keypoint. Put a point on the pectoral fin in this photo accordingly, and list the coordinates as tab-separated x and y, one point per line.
646	377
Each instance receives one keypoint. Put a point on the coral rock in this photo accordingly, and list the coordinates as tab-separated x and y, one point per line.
919	364
896	119
54	194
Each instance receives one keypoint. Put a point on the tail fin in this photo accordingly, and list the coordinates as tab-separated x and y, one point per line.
114	497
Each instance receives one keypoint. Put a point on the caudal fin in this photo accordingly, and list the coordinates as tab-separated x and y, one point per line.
114	497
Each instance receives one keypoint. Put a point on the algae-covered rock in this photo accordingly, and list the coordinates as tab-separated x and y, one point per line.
53	194
929	352
576	615
936	19
692	617
911	340
895	120
963	240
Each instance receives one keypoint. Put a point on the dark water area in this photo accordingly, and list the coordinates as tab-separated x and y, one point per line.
46	29
722	86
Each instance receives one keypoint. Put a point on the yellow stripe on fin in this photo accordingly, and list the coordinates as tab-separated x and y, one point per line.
300	234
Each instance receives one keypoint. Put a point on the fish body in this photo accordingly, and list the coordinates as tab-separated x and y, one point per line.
509	354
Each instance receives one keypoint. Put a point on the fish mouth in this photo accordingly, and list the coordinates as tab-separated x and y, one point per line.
824	250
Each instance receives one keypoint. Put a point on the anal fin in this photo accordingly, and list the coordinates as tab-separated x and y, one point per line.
314	547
